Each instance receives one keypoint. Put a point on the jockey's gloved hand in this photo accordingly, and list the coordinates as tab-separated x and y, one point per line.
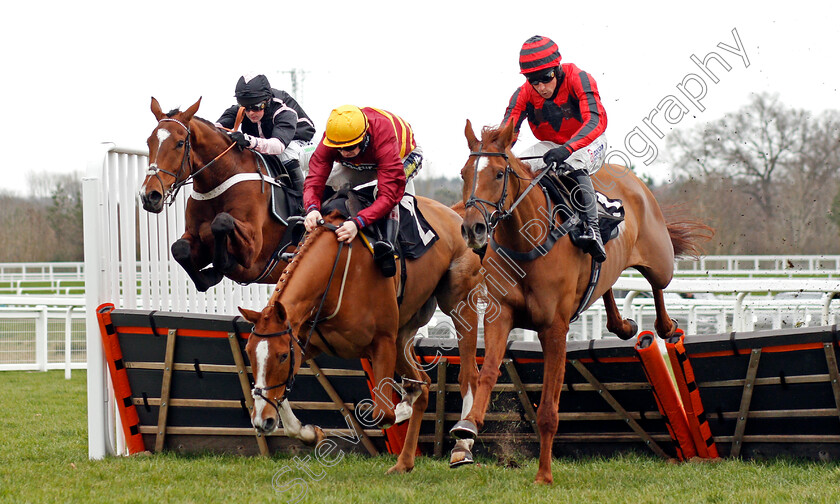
311	220
556	156
242	140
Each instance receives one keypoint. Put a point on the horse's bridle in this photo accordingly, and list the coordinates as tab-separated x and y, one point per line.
499	213
290	379
186	161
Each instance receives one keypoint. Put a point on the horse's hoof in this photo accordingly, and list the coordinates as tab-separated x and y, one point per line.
460	457
316	439
464	429
399	469
634	328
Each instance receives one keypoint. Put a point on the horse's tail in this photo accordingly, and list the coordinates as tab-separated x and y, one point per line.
686	235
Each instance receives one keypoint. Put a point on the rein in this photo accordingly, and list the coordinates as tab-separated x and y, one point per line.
186	161
499	212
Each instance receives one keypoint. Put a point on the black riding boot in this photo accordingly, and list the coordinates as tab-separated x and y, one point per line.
383	249
591	236
292	167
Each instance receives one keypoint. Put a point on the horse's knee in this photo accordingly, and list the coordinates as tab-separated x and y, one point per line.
547	420
181	250
223	224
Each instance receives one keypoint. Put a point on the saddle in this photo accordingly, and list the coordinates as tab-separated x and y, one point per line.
286	201
559	188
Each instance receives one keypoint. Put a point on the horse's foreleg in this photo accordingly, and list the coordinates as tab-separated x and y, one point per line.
417	395
187	251
623	328
495	339
222	227
553	342
466	327
309	435
665	326
383	358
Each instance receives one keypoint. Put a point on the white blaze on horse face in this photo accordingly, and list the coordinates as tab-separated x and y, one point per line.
482	164
259	380
162	135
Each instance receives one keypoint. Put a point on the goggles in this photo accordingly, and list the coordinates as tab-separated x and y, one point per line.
543	78
256	107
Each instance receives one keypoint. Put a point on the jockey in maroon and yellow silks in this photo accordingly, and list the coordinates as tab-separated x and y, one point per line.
390	141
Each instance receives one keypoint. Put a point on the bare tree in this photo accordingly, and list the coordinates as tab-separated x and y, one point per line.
780	165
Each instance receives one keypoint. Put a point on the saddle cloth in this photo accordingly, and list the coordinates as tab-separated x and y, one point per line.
610	211
416	235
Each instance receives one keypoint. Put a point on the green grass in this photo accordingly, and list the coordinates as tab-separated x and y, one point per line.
43	458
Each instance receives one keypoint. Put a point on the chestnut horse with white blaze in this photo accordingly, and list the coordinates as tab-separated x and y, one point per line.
228	221
550	287
333	298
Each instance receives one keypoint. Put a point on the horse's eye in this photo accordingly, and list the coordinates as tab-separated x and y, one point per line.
180	144
499	175
283	357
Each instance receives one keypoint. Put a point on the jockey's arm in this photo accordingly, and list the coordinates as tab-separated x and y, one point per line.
320	166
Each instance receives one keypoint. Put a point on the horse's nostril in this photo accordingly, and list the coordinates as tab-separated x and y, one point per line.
479	229
269	424
154	197
464	233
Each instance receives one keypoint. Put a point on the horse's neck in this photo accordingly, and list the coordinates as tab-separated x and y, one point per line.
207	146
306	284
531	214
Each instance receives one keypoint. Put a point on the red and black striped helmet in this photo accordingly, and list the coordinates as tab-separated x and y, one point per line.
538	53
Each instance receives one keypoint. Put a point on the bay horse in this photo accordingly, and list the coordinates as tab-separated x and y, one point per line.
544	293
366	321
228	221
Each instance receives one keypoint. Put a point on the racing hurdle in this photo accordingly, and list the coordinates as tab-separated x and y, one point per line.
182	383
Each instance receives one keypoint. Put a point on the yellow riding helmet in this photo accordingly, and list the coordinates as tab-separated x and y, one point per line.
346	126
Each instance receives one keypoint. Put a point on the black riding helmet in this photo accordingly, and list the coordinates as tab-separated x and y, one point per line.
252	89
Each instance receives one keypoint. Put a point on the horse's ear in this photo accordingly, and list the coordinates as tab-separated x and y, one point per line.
156	109
280	311
505	139
249	315
190	112
472	141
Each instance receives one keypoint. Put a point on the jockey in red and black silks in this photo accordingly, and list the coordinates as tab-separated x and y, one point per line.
365	146
563	107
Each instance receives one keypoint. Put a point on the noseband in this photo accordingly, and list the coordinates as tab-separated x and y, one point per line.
186	163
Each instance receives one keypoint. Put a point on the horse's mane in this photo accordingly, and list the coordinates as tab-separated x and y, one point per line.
299	253
490	135
175	111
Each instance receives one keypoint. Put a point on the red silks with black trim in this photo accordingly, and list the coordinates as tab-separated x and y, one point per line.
119	378
690	394
665	394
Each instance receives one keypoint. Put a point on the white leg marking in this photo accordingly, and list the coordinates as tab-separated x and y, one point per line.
468	402
292	426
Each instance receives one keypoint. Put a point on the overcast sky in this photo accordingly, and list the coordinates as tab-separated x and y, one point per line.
79	73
